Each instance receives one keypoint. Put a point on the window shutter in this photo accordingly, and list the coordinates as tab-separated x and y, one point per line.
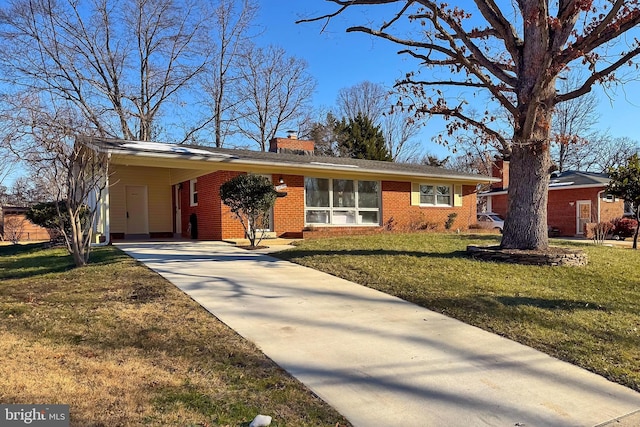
415	194
457	195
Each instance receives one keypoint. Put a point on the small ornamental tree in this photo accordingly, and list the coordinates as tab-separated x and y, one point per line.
250	198
625	183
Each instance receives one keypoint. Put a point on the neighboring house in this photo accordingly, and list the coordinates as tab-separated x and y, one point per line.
15	226
575	199
167	190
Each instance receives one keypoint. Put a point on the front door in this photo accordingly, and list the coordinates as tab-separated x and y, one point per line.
583	212
137	211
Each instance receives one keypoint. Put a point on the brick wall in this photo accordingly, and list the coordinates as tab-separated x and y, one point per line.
499	205
288	212
396	205
216	222
561	214
16	225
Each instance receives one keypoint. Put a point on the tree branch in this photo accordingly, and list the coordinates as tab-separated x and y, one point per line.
587	85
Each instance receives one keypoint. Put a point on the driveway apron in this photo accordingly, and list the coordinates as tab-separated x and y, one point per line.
378	360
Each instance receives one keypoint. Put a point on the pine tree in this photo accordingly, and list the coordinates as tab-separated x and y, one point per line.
361	139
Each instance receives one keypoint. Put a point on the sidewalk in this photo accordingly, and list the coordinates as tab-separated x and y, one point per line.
378	360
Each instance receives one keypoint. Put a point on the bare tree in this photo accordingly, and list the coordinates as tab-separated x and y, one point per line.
572	125
74	177
115	63
277	90
399	126
230	36
366	98
13	229
613	153
598	152
27	190
514	55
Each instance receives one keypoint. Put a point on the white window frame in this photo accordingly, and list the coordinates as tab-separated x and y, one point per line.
356	210
435	185
193	192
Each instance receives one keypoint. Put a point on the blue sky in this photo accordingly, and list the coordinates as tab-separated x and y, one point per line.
337	60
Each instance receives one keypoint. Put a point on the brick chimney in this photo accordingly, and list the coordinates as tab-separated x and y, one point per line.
291	145
500	169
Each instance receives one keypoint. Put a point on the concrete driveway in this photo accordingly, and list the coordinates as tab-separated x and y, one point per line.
378	360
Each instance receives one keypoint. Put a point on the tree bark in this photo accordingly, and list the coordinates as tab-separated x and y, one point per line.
526	225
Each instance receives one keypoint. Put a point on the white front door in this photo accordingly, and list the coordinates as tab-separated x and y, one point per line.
137	210
583	215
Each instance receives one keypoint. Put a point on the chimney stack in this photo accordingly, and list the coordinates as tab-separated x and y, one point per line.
500	169
292	134
291	145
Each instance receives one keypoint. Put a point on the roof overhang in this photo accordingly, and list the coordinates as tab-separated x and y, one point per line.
551	188
176	157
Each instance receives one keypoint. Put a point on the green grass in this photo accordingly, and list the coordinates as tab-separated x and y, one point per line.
122	346
589	316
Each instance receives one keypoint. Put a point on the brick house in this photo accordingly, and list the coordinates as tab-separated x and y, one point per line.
14	225
160	190
575	199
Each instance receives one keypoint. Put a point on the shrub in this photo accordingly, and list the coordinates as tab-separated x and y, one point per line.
450	219
598	231
624	227
250	197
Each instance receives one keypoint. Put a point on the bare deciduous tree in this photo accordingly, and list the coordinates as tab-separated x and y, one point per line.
230	36
13	229
366	98
399	126
572	124
514	55
277	90
115	63
73	176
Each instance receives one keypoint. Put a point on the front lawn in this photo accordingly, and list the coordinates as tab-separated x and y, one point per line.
589	316
123	347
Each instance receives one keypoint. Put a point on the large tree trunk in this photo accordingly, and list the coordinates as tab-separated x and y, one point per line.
526	223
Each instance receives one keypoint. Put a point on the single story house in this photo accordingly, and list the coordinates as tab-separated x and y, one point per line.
164	190
14	225
575	199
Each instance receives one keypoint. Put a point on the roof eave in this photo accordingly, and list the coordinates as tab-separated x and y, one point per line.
301	166
566	187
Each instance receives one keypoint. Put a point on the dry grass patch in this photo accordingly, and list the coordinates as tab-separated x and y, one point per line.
124	347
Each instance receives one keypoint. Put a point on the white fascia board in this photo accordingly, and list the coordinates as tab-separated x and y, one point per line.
321	166
572	187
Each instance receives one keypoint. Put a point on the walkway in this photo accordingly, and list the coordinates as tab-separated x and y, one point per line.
378	360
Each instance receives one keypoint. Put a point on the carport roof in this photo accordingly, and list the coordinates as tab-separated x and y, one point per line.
566	180
201	153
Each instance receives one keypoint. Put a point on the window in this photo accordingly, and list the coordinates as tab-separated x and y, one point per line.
193	192
435	195
606	197
341	201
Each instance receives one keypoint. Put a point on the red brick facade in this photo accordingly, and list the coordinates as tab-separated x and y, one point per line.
396	206
16	226
215	221
288	213
562	207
